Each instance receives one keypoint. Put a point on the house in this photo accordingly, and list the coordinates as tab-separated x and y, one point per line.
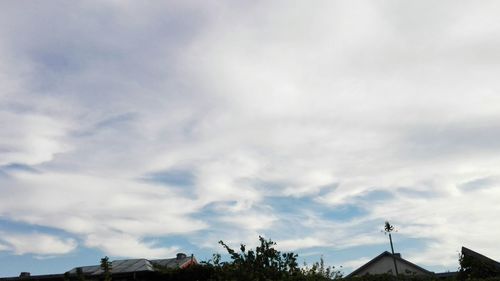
473	265
137	265
384	264
476	265
128	269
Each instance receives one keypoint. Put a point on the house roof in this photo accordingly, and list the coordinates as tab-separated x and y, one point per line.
136	265
382	255
446	275
117	266
174	263
483	258
143	266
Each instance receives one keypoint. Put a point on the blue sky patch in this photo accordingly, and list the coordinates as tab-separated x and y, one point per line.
297	205
174	177
19	167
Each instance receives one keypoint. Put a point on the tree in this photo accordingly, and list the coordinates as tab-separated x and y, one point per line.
266	263
263	263
106	268
319	271
388	228
79	274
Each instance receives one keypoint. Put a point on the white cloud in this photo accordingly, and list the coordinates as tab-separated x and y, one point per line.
251	221
37	243
30	138
356	263
301	243
95	208
451	221
255	100
124	245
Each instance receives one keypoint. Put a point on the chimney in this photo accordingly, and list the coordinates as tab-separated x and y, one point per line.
181	256
397	255
25	274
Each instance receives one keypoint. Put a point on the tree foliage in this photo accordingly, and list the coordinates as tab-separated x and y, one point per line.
319	271
265	263
262	263
79	274
106	268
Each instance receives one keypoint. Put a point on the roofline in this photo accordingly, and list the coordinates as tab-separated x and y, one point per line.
466	250
192	261
34	277
62	276
385	253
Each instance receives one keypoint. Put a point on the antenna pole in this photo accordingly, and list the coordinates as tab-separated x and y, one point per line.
393	256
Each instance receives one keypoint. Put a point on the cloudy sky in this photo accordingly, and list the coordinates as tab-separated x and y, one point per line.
142	129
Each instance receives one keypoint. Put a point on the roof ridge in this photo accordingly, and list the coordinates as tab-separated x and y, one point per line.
481	256
386	253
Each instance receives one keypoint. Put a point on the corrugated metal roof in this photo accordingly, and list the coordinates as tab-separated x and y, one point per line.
171	263
85	269
132	265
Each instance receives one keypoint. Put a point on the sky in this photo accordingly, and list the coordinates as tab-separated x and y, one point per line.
139	129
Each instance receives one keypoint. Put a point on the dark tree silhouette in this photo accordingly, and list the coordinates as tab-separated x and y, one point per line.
106	268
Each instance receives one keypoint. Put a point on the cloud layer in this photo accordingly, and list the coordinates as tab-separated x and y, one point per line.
125	123
36	243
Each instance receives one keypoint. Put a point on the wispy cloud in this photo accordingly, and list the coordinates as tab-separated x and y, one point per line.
36	243
308	123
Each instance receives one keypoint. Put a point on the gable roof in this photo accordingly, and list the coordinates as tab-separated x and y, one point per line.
386	254
478	256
